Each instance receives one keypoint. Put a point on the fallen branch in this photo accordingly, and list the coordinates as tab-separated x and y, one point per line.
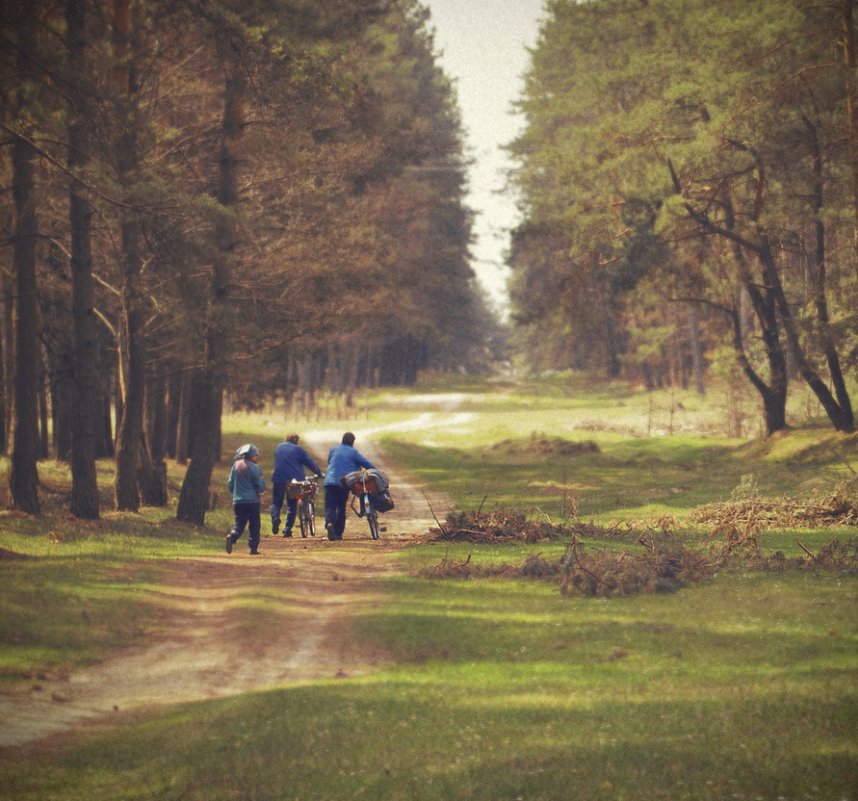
806	550
440	524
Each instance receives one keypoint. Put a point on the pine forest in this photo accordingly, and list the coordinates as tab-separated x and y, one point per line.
226	203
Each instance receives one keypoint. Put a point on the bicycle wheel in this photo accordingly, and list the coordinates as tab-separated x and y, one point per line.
371	517
308	519
302	516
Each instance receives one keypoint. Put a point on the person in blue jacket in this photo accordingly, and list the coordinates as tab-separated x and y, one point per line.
290	459
342	460
246	484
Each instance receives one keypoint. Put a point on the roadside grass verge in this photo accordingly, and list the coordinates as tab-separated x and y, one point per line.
74	590
740	689
516	459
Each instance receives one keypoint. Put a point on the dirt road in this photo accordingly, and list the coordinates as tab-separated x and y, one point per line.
211	646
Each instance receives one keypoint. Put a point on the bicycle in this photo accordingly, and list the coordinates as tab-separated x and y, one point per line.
363	488
305	493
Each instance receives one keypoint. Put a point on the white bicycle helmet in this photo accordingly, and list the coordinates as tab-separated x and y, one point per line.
247	451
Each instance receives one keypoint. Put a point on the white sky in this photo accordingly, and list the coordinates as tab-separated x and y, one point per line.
483	48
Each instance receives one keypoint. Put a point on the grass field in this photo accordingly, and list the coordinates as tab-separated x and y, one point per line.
742	687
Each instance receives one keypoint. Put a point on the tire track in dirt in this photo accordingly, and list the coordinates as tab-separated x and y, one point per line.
209	644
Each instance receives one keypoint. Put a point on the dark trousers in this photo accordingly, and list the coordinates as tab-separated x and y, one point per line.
247	514
336	499
277	496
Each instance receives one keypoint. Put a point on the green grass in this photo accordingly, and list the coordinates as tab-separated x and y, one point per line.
743	687
627	478
78	589
75	590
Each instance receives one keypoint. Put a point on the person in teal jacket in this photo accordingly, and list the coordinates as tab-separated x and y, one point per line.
246	484
342	460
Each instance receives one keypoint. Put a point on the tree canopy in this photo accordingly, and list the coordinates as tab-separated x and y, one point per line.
687	176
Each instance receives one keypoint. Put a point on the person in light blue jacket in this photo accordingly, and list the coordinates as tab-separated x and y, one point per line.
342	460
246	484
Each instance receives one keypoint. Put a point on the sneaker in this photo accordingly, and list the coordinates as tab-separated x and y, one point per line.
275	525
330	529
254	552
288	533
228	543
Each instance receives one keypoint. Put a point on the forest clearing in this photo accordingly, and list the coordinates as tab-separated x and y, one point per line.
379	669
621	439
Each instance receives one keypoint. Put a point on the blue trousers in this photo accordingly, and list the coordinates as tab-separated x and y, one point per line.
247	514
336	499
278	494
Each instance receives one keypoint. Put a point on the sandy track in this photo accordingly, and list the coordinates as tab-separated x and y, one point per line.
210	646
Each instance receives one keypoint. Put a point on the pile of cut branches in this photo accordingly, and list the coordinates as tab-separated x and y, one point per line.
607	573
662	568
493	527
449	569
757	514
509	526
837	555
597	572
666	564
669	567
739	552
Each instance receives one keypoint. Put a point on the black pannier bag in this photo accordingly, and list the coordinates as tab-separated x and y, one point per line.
382	502
376	484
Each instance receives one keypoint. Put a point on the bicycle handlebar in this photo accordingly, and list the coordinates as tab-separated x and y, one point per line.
306	479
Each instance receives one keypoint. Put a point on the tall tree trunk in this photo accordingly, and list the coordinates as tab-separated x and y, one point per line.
56	338
23	475
7	281
85	352
773	393
765	304
131	343
43	390
193	500
104	433
174	394
851	58
352	355
4	428
6	345
62	409
194	495
696	349
844	419
153	468
156	417
184	418
773	397
841	418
